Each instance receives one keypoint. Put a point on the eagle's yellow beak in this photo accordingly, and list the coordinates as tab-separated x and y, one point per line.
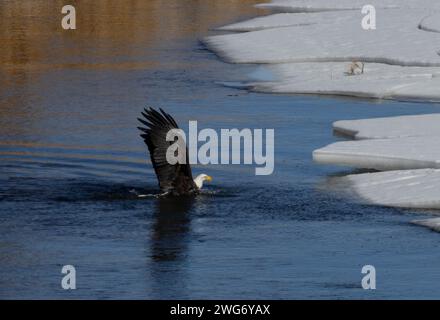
208	178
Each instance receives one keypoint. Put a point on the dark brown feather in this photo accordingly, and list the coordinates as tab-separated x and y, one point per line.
173	179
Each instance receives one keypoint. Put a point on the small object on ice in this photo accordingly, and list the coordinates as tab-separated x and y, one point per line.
356	68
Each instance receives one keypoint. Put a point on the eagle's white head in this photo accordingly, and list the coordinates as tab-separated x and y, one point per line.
202	178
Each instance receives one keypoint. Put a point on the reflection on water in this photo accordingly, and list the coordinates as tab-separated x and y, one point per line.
47	77
108	33
169	245
170	229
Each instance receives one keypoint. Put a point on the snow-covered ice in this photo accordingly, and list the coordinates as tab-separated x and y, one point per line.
401	188
397	40
383	154
391	143
317	6
431	23
310	50
327	5
378	81
286	20
390	127
433	223
407	146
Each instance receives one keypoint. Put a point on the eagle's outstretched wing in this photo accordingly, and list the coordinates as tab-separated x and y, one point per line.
175	178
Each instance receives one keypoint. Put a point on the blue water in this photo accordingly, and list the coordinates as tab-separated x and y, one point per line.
71	158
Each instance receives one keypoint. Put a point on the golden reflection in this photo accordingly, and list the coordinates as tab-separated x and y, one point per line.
111	35
109	32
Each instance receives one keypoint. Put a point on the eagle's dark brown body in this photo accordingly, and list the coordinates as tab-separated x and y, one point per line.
174	179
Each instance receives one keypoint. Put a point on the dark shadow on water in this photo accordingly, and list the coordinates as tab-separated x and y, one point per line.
171	228
347	135
349	171
169	244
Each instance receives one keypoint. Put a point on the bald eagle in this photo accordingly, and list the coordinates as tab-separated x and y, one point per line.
176	179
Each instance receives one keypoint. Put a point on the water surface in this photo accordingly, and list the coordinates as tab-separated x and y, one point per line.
71	158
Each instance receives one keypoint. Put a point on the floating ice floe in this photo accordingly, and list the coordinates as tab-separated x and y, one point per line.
383	154
327	5
397	40
286	20
433	223
401	188
391	143
390	127
331	78
408	146
309	51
